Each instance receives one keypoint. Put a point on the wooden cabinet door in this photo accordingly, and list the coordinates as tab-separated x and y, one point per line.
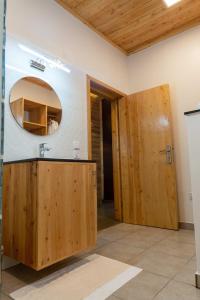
147	164
19	211
66	210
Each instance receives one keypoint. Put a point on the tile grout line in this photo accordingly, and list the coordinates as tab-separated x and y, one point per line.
146	249
170	279
167	283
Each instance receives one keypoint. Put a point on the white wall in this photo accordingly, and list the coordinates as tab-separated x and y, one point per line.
175	61
34	92
44	24
193	129
48	26
71	90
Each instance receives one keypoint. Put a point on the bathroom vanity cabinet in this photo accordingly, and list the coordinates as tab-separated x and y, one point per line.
49	210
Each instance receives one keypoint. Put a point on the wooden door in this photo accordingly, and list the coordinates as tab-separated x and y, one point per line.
116	161
147	165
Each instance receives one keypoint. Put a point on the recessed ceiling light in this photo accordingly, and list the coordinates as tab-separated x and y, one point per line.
171	2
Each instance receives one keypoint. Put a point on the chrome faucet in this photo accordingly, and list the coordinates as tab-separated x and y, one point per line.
43	149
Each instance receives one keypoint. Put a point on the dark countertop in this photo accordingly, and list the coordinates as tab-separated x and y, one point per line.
49	159
191	112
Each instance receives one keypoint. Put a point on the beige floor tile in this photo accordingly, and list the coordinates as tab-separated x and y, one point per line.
160	263
136	241
112	298
144	287
129	227
178	291
142	239
136	259
163	254
101	242
154	230
187	273
119	251
112	234
157	234
170	247
183	236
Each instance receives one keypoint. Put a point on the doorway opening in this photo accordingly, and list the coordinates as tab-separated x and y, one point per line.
103	145
102	153
106	211
108	196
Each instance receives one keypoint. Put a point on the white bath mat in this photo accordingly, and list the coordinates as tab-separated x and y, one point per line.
94	278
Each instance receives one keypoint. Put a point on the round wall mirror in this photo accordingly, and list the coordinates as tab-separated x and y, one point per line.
35	106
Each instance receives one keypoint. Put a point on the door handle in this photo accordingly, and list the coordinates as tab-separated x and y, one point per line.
169	154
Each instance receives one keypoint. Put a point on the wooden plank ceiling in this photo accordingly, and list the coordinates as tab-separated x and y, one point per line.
132	25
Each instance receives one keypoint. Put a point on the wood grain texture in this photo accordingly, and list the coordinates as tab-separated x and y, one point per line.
36	121
129	157
20	212
17	109
134	25
148	182
103	89
97	143
67	210
116	161
49	211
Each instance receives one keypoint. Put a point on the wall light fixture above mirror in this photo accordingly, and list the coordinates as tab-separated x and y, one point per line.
35	106
53	63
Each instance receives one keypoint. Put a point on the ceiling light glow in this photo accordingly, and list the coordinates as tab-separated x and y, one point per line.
13	68
171	2
52	63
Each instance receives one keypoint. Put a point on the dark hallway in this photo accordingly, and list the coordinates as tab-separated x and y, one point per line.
107	152
106	217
